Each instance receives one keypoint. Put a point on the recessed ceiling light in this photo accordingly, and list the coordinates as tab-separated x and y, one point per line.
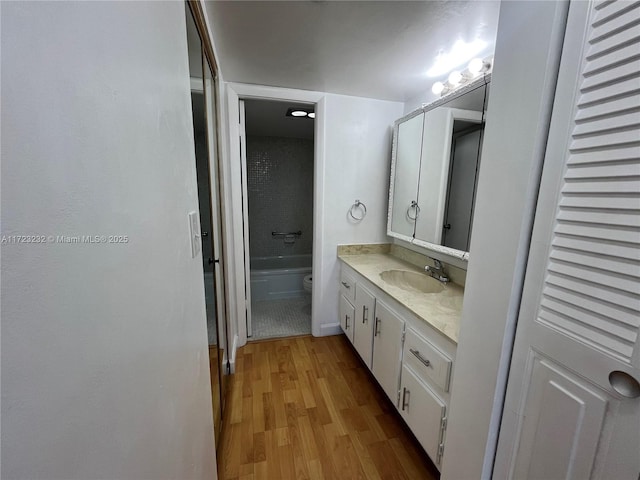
300	112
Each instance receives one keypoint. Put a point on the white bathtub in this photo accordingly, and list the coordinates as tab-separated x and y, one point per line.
274	278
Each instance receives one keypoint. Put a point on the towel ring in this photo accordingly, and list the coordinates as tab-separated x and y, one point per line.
414	205
357	205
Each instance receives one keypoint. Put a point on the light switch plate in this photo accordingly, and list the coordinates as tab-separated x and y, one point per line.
194	232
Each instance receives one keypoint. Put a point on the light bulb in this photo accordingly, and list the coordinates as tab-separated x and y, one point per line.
455	77
475	66
299	113
437	88
312	115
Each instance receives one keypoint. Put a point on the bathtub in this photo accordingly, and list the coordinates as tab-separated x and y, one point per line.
274	278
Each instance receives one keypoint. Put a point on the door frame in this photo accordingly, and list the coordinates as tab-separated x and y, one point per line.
235	93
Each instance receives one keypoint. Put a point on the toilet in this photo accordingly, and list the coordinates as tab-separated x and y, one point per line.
306	283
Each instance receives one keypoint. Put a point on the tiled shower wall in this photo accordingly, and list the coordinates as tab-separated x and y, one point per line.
280	190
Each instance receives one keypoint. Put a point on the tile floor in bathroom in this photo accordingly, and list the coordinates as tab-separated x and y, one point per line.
281	318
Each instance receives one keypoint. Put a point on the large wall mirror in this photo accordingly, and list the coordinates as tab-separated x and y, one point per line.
434	170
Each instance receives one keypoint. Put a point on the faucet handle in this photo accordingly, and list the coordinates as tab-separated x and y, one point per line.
437	263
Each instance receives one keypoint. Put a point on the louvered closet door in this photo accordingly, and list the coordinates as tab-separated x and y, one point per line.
573	401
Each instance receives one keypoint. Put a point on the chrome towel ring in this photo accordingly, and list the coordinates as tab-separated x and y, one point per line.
413	206
358	206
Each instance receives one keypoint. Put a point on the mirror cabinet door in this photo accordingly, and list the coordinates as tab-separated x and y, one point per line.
435	171
405	177
439	126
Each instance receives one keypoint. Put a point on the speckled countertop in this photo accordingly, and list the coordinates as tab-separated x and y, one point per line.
440	310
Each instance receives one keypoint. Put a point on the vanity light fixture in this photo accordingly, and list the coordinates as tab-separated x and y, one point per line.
476	67
437	88
455	78
460	53
300	113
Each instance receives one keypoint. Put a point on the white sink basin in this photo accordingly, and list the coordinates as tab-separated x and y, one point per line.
412	281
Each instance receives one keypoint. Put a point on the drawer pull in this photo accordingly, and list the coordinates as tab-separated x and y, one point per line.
346	285
424	361
405	400
365	314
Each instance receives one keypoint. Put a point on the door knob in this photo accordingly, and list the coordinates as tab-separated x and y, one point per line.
624	384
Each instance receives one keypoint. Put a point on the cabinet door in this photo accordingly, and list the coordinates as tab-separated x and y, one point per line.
363	326
404	176
387	348
424	412
347	317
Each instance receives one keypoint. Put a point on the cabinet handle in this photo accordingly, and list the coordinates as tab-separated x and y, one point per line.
425	362
346	285
346	322
405	401
365	314
376	329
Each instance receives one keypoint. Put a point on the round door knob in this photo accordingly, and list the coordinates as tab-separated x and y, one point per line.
624	384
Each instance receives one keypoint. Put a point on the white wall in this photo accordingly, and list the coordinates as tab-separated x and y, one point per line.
523	80
357	162
104	347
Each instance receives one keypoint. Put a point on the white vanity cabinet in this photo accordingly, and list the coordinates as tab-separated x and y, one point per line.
365	305
388	330
347	316
426	372
347	310
410	359
424	412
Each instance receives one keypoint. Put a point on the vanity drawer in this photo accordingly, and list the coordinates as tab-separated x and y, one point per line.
348	286
426	360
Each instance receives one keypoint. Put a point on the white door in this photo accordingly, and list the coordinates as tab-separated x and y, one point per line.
387	350
245	217
573	399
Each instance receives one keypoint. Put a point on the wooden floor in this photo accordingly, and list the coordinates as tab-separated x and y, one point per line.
308	408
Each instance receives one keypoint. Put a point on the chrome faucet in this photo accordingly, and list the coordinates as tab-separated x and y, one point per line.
437	271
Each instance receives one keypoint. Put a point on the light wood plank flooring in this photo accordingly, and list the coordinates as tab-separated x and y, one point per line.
308	408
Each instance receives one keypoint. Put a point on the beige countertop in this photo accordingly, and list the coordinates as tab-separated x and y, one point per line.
440	310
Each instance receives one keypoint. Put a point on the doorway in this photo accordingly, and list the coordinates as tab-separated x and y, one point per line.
278	186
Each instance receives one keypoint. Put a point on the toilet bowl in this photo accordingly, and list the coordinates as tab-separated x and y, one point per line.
306	283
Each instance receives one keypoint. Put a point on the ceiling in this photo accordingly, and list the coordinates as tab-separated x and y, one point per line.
266	118
377	49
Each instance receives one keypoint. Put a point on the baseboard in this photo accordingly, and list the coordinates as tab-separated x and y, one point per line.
232	355
330	329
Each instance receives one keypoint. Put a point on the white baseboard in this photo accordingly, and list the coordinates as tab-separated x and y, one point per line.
330	329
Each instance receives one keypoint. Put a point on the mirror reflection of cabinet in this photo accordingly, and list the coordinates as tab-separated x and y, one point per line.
435	160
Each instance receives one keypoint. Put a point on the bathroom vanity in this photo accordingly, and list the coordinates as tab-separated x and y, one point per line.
404	325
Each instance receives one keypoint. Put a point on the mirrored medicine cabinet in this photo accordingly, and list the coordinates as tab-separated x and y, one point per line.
434	170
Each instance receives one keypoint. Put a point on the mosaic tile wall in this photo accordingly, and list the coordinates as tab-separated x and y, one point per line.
280	190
